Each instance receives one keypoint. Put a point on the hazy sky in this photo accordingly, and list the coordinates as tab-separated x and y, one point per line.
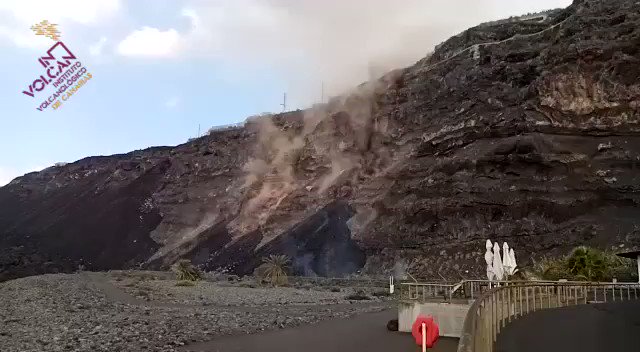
160	68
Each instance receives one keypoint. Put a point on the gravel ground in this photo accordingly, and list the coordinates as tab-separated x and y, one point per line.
235	294
86	312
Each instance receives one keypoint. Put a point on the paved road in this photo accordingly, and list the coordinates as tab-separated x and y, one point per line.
363	333
608	327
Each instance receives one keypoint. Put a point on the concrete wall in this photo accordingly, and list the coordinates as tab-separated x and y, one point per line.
449	316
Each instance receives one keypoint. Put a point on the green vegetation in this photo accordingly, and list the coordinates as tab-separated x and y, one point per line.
274	270
185	271
382	293
587	264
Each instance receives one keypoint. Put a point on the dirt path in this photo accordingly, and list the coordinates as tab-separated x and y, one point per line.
116	294
365	332
426	68
111	292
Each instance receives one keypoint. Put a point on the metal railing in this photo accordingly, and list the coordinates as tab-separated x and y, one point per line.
465	289
498	306
475	288
425	291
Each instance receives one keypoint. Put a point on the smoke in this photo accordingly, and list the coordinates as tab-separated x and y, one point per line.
303	264
340	43
400	269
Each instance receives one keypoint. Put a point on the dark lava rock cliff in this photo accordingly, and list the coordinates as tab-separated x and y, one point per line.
524	130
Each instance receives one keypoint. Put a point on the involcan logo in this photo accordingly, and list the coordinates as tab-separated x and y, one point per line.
62	70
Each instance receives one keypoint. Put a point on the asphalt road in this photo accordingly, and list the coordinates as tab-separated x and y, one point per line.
362	333
608	327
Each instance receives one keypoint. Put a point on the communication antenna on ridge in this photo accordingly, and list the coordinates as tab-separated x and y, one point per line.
284	102
198	130
322	93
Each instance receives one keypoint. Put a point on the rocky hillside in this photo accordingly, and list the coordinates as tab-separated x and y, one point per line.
524	131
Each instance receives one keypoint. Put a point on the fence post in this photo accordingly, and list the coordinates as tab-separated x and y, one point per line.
508	304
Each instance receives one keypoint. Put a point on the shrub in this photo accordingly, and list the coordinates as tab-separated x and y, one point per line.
358	296
587	264
132	283
392	325
185	271
185	283
274	270
623	269
551	269
306	286
248	285
142	293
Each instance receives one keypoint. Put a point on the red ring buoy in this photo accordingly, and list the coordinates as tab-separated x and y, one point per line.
433	332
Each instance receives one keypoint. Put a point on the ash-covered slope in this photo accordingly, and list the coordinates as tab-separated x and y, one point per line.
524	130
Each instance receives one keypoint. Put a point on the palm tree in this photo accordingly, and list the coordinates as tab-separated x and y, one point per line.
275	268
185	271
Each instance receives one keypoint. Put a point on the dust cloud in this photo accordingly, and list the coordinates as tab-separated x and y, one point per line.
340	43
334	140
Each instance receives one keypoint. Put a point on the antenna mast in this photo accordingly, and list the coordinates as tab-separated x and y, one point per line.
284	102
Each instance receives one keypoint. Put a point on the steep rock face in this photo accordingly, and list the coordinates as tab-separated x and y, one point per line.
532	140
93	216
524	131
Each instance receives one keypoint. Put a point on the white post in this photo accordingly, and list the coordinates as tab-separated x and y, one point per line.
391	284
424	337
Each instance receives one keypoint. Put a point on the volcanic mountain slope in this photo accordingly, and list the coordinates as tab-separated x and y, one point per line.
524	130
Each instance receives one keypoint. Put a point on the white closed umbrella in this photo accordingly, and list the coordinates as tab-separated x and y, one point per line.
498	269
512	259
488	257
506	260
